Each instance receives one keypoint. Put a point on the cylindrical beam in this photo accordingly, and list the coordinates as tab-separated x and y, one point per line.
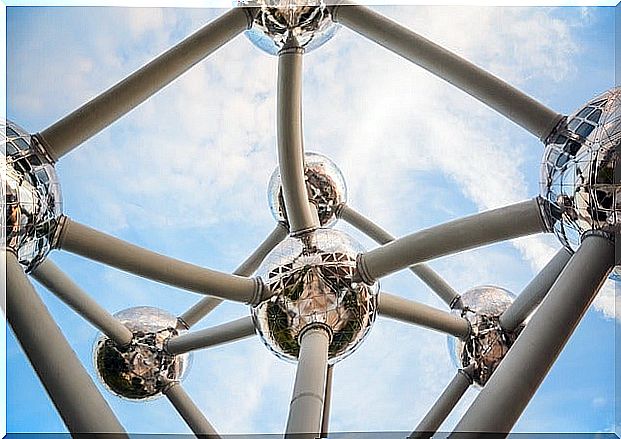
409	311
473	231
75	128
209	337
190	413
79	403
302	216
514	382
247	268
325	418
535	292
90	243
51	277
306	410
423	271
480	84
444	405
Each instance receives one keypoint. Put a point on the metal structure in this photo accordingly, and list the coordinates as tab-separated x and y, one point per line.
316	293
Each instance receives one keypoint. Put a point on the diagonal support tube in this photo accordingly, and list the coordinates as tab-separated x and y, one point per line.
423	271
525	111
515	381
306	410
408	311
79	403
507	222
210	337
325	418
247	268
75	128
52	278
302	216
445	404
535	292
90	243
190	413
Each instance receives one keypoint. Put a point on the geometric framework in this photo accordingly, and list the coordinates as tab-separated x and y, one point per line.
73	237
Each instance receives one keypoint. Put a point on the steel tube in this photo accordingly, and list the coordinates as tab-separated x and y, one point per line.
408	311
423	271
535	292
82	240
473	231
190	413
83	123
247	268
301	215
79	403
480	84
214	336
306	410
51	277
515	381
325	417
444	405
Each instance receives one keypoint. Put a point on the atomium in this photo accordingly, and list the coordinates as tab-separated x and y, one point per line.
307	22
487	343
310	278
578	171
31	197
142	369
325	186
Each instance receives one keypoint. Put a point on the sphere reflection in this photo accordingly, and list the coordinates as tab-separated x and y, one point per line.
31	197
325	185
309	22
140	370
311	281
577	175
487	343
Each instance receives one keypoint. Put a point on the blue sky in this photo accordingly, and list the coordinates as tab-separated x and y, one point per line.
186	175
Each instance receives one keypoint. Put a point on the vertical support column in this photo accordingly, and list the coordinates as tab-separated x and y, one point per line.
79	403
301	215
512	385
325	421
306	410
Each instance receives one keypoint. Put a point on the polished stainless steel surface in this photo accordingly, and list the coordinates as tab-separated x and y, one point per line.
310	278
140	370
487	343
308	21
577	174
31	198
325	185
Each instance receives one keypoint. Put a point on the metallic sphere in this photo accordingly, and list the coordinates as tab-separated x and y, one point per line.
309	22
30	195
140	370
616	273
577	175
325	185
487	343
310	278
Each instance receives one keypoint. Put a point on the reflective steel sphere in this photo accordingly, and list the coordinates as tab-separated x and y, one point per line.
616	274
310	278
325	185
577	175
31	197
487	343
138	371
308	21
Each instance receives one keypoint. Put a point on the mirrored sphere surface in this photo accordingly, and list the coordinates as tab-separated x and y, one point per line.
616	274
31	197
138	371
488	342
325	185
308	21
577	174
310	278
